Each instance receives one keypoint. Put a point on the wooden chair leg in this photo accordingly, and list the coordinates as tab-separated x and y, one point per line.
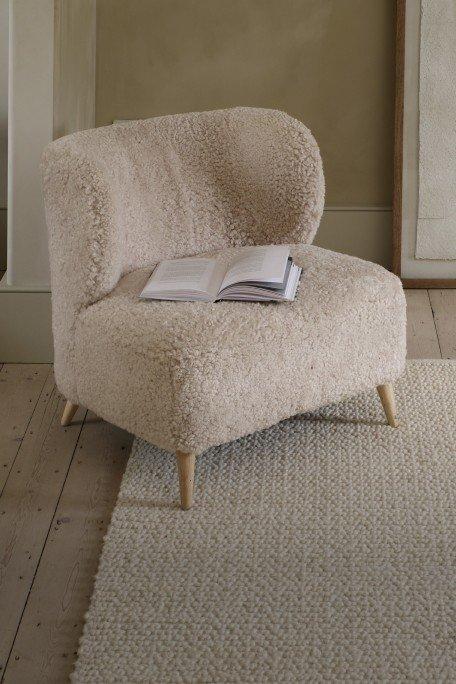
386	394
186	468
68	413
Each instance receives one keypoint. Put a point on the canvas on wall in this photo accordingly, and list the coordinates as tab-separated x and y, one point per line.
436	222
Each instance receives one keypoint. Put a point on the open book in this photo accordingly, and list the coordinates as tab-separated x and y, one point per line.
254	274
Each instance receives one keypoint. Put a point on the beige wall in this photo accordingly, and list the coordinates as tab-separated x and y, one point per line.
74	65
3	127
327	62
3	100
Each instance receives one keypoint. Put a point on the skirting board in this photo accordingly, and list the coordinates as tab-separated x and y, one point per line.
25	317
25	327
429	283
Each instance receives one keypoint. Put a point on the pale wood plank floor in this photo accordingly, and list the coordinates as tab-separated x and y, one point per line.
58	487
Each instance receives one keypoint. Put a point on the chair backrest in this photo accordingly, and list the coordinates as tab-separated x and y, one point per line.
128	195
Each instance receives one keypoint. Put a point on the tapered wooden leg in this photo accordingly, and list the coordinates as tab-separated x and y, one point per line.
68	413
186	468
386	394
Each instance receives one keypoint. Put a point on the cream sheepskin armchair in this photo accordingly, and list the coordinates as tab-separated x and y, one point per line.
188	376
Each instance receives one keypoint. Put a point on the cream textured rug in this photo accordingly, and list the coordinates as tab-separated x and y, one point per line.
321	549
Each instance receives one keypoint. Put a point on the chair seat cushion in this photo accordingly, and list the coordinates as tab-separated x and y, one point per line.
190	375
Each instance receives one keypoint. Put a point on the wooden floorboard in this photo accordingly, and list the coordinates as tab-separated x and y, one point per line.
51	626
28	503
422	340
20	388
443	303
60	486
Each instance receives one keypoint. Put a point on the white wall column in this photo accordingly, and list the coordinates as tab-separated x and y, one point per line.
30	129
51	92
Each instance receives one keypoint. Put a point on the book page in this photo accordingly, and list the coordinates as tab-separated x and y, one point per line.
260	293
184	275
258	264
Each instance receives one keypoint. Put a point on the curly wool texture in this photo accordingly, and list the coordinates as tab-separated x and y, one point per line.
190	375
122	197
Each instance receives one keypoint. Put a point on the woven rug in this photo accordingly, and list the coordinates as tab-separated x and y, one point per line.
322	549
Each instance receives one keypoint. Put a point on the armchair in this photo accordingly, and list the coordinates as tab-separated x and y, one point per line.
189	376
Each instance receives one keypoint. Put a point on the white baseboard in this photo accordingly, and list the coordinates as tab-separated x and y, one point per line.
25	327
25	316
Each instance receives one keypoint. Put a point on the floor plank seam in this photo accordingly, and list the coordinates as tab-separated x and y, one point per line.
42	550
435	323
13	462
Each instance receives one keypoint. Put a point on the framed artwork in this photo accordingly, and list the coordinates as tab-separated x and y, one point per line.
424	194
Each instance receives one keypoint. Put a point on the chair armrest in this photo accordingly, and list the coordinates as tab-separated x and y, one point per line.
85	247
